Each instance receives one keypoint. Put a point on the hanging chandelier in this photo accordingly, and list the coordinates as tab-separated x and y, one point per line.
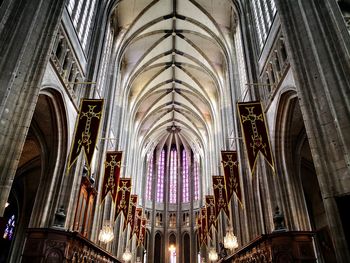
106	233
230	240
213	255
127	255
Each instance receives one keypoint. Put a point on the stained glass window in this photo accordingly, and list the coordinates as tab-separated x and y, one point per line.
196	180
149	179
173	179
160	181
263	12
10	228
185	179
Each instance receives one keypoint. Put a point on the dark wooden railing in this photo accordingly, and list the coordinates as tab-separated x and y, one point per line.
56	246
282	247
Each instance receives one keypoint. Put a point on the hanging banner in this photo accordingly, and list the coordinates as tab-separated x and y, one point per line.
86	131
211	212
123	197
220	195
204	225
131	213
251	116
142	233
229	160
137	227
112	174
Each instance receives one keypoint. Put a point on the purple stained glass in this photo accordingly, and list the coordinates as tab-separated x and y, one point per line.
149	179
160	181
173	177
185	179
196	181
10	228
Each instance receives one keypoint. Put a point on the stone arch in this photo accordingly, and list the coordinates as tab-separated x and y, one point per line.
186	244
297	183
158	245
39	174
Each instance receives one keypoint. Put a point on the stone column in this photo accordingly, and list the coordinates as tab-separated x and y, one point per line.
27	30
318	44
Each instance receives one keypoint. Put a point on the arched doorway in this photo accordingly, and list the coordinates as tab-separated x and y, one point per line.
35	188
186	248
158	248
299	186
172	248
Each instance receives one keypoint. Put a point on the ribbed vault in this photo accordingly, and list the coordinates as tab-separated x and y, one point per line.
174	57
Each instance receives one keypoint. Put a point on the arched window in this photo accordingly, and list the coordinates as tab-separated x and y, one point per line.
185	179
173	177
149	179
263	12
196	180
82	13
160	181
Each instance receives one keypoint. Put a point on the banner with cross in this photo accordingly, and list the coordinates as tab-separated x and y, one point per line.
131	213
211	212
229	160
86	131
123	197
111	175
256	139
220	195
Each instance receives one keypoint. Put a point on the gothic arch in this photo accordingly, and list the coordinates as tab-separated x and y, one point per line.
297	183
39	174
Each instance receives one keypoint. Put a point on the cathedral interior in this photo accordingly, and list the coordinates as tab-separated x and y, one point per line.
116	117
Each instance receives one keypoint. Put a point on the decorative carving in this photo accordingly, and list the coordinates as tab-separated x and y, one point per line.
63	246
277	247
60	218
278	220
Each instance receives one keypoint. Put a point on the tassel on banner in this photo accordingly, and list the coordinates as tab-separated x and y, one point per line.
111	175
229	160
123	197
220	195
256	139
86	131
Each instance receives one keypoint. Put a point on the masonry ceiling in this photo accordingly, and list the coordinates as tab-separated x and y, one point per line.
174	57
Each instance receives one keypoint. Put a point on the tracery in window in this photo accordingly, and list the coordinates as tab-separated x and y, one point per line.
185	178
160	181
173	177
149	179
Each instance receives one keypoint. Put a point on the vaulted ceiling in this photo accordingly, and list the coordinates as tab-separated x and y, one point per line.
174	64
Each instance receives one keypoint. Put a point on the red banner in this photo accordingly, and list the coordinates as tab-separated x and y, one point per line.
211	212
123	197
220	195
142	233
137	227
231	173
112	174
131	213
86	131
204	225
256	139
